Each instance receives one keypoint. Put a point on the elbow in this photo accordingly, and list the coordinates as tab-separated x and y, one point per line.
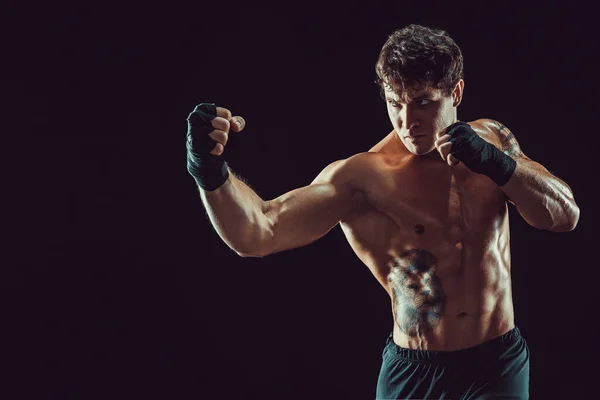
246	254
251	251
568	223
257	249
258	241
574	218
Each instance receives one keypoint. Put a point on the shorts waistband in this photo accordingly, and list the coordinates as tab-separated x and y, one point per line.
448	356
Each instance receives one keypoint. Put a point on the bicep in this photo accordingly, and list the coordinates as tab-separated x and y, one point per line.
303	215
333	172
330	192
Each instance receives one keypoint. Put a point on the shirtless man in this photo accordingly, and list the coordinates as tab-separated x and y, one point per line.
425	210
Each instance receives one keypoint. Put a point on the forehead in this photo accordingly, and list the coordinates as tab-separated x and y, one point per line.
410	93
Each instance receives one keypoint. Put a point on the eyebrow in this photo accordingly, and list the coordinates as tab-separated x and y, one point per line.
416	98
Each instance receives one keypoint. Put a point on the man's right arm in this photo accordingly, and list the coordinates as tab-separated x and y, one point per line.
254	227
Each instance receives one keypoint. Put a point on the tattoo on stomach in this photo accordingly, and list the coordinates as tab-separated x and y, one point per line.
417	292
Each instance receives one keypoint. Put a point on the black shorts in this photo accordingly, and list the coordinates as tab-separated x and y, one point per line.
496	369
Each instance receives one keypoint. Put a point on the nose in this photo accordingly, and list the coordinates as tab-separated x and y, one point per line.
409	118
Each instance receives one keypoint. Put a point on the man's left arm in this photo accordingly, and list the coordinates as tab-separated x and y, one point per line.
542	199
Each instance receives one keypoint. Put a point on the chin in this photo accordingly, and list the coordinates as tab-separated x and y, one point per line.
420	150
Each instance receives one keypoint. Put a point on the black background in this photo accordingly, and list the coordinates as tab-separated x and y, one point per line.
116	285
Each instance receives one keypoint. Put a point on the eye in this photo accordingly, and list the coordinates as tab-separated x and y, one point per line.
423	102
393	103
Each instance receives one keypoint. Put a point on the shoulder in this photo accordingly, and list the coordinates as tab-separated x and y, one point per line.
353	172
358	167
491	126
497	134
487	129
350	171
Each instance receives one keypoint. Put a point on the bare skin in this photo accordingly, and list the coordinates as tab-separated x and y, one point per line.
434	234
437	240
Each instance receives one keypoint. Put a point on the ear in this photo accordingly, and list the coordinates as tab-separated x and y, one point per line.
457	93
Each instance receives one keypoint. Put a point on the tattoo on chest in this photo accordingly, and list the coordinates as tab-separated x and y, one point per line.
417	292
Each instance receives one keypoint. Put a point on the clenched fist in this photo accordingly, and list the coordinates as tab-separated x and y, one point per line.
207	135
444	146
459	142
208	128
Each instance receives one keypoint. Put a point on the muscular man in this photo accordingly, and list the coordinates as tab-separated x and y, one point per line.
425	210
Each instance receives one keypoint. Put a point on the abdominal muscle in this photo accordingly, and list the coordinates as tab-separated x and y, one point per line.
445	304
446	294
447	316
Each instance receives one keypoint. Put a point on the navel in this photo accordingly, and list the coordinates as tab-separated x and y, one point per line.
419	229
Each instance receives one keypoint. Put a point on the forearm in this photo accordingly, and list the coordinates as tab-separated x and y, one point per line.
542	199
238	215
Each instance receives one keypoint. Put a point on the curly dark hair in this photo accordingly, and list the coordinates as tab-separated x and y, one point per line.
419	55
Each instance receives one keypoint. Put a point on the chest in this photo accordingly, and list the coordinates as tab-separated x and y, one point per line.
451	200
448	211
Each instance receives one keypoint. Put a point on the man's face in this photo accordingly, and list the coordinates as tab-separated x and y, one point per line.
420	113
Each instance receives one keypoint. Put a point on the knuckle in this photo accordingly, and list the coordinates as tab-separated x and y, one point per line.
219	136
215	135
224	113
217	150
221	123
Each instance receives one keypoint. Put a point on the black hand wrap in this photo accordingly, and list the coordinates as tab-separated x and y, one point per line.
478	155
209	171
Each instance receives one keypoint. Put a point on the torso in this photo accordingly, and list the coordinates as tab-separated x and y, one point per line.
437	239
